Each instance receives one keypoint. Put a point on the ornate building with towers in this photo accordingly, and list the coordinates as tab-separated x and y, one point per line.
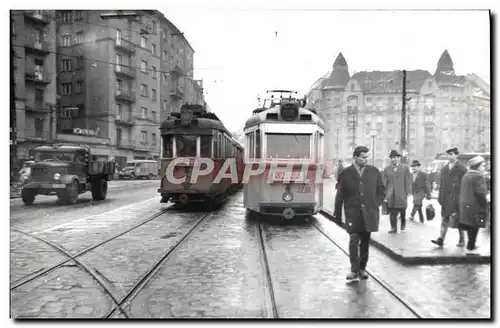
444	110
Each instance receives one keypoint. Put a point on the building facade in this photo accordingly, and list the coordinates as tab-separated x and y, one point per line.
34	44
444	110
118	79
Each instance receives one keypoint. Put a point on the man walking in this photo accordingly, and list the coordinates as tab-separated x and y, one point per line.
421	188
362	191
449	196
397	182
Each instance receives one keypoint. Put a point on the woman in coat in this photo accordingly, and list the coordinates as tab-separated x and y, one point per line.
474	200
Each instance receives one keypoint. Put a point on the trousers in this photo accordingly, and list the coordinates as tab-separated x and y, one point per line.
359	243
420	213
393	217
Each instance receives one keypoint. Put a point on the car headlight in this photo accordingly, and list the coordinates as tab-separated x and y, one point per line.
287	196
57	176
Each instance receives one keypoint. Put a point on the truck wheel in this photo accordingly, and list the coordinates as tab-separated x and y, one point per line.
28	196
99	189
70	194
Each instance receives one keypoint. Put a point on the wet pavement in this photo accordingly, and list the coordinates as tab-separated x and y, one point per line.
413	246
219	270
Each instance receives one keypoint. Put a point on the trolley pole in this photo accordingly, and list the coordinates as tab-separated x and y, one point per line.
403	120
13	118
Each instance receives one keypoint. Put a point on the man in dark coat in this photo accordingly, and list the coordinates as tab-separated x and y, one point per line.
397	182
449	197
362	191
421	188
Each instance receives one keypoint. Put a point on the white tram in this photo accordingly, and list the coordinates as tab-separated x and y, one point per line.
284	145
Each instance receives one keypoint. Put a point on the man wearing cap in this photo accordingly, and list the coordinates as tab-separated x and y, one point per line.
398	183
421	188
449	197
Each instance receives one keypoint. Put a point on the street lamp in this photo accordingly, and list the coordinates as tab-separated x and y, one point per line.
373	134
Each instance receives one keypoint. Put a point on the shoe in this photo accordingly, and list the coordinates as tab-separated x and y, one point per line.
412	218
461	244
353	276
403	229
393	231
438	242
363	275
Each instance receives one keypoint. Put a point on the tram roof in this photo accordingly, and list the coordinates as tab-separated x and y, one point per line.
170	127
260	117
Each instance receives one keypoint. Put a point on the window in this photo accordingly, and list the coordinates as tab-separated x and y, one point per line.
118	137
153	116
144	42
144	137
353	86
67	17
79	37
144	90
153	94
13	24
165	54
185	145
168	151
119	85
205	146
78	15
164	102
144	112
144	66
118	36
257	144
153	27
66	88
80	63
153	49
39	96
164	34
79	87
118	63
66	65
120	112
281	145
154	72
66	40
153	139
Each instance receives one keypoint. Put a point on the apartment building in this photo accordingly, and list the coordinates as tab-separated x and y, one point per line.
33	37
444	110
115	84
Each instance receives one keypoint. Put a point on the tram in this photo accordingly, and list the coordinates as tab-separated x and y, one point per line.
191	140
285	142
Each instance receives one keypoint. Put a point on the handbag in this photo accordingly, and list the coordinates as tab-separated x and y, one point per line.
385	208
430	212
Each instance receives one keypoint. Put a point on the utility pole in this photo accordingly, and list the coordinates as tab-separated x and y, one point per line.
13	120
403	119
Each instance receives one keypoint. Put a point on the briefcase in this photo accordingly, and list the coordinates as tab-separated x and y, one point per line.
430	212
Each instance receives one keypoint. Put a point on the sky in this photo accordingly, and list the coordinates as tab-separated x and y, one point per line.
242	53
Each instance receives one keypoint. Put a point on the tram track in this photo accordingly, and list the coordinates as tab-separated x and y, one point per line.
153	270
43	272
406	303
269	295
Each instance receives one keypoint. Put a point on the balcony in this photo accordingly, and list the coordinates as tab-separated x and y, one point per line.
36	135
126	145
125	45
125	96
176	93
37	77
176	69
125	72
119	120
39	47
38	16
38	107
139	146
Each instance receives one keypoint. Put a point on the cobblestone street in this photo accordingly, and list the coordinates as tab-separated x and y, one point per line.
132	257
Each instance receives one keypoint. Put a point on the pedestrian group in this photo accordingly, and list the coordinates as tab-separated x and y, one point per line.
363	188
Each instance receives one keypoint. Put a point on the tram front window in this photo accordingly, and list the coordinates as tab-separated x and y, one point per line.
168	151
185	145
281	145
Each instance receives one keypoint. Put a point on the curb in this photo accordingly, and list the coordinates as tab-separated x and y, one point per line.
418	260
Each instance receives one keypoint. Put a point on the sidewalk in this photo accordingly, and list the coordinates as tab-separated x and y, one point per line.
413	246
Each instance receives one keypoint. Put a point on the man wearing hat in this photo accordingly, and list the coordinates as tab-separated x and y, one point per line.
449	197
398	183
421	188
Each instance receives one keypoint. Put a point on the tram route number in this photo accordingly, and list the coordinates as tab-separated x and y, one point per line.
304	189
280	176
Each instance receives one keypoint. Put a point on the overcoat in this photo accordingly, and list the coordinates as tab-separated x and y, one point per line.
449	189
398	185
421	188
362	197
473	204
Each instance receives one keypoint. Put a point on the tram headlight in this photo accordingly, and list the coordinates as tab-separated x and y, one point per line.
287	196
56	176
